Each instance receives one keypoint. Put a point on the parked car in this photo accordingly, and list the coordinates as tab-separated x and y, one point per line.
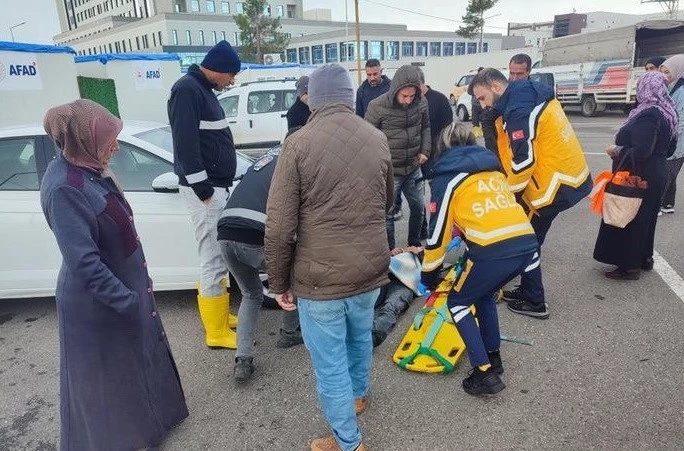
460	87
256	111
143	166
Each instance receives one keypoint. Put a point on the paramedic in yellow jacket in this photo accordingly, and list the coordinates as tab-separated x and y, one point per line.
543	161
470	196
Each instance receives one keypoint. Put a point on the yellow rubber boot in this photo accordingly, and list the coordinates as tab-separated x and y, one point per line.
232	319
214	313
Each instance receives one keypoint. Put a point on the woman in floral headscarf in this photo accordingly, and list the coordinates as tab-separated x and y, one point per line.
641	146
119	387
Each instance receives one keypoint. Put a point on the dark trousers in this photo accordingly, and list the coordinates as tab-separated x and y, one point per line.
531	281
393	300
673	168
476	285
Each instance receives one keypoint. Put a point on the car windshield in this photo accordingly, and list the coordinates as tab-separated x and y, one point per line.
160	137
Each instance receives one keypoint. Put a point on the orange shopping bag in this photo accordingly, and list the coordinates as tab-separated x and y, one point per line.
597	193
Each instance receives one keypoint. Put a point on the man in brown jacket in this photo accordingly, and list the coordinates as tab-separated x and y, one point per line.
403	116
331	188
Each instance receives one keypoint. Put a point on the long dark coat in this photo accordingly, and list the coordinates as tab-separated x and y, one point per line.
119	387
647	141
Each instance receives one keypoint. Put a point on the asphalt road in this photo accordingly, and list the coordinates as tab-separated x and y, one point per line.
604	372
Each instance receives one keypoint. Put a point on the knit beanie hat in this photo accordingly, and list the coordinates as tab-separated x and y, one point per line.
222	58
302	85
328	85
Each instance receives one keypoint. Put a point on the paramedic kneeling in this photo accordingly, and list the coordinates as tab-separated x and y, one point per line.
470	194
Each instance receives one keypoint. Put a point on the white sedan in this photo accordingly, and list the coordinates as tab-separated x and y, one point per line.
144	166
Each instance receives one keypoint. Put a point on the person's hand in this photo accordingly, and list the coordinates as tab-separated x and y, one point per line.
421	159
414	249
612	151
396	251
286	300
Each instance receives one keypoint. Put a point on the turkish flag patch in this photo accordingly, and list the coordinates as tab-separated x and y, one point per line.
433	207
517	135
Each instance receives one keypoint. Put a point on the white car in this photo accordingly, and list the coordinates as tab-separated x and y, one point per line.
256	111
144	166
464	107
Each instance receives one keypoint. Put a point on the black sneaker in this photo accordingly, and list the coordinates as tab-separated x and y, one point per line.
523	307
647	265
289	339
495	361
512	295
243	369
667	209
378	337
483	382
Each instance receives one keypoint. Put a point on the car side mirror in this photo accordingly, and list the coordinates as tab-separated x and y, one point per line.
165	183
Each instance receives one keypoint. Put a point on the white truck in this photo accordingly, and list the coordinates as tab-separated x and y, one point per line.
599	70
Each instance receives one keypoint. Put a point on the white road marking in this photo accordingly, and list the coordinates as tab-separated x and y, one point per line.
669	275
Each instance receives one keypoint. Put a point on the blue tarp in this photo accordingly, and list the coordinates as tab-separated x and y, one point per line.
34	48
106	57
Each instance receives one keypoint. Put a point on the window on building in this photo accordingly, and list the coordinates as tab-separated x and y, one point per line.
154	40
240	7
331	53
280	10
485	47
448	49
223	35
123	46
291	11
376	50
110	48
201	37
460	48
236	38
137	41
145	41
225	7
304	55
211	7
291	55
180	6
317	54
267	9
194	6
421	48
188	37
174	37
159	38
288	35
392	50
472	47
435	49
213	37
130	44
117	47
407	48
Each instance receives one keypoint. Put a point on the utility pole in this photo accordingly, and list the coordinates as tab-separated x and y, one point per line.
481	29
358	42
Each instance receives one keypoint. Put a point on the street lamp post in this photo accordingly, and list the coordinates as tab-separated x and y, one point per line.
13	27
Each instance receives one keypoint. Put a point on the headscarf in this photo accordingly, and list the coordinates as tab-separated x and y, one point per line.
85	132
652	92
675	64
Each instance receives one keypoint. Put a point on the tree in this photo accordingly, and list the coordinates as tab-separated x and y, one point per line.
260	34
473	21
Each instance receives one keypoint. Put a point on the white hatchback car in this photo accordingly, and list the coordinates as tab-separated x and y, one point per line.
144	166
256	111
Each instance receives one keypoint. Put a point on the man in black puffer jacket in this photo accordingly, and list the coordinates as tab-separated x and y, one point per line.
403	116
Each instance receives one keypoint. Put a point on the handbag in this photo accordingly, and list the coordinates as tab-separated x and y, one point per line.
622	199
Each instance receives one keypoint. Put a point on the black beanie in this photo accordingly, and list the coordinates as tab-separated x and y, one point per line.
222	58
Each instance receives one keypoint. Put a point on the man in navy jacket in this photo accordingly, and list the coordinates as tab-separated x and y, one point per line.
204	160
375	85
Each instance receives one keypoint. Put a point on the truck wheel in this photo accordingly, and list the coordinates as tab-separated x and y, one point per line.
588	106
462	113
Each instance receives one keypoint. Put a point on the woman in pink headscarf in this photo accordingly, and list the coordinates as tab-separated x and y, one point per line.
641	146
119	387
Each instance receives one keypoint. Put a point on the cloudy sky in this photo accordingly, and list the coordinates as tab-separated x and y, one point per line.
42	22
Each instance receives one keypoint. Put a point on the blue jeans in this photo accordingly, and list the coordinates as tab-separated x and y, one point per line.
337	334
414	191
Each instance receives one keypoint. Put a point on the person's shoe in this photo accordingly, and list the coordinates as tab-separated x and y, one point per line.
243	369
214	314
378	338
289	339
495	361
512	295
360	405
647	265
667	209
483	382
660	212
623	274
523	307
329	444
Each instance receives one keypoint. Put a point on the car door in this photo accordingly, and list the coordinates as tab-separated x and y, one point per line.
264	117
161	219
289	98
30	256
233	108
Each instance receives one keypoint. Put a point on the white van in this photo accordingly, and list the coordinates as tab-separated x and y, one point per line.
256	111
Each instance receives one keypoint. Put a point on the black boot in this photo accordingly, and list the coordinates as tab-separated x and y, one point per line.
483	382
